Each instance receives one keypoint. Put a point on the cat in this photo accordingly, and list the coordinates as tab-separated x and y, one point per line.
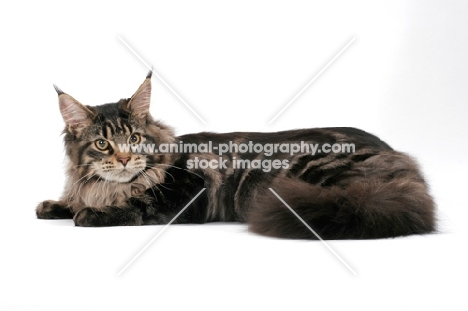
372	192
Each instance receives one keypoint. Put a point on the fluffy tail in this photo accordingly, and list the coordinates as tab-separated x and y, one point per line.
368	210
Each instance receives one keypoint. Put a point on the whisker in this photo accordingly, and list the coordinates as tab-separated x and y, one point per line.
180	168
73	185
172	176
90	191
81	165
155	183
84	182
145	176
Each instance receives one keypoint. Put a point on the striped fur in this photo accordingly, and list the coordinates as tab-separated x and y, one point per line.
374	192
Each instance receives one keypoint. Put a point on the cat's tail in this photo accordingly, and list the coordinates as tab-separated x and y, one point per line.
366	210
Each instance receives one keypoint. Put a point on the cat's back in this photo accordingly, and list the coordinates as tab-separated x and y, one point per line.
327	135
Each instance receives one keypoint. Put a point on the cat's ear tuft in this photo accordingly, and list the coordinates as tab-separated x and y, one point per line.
75	115
58	90
140	102
150	73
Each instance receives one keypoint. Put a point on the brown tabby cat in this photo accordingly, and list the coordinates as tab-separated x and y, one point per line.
373	192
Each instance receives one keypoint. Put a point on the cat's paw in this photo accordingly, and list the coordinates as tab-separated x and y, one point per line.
110	216
144	203
53	210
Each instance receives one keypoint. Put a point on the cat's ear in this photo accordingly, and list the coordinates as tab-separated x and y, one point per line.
140	102
75	115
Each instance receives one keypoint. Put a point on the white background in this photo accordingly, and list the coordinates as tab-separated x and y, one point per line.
237	64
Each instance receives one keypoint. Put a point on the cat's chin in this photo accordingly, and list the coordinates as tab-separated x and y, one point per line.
122	177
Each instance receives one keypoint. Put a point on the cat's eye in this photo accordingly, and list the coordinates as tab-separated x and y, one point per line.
135	138
102	144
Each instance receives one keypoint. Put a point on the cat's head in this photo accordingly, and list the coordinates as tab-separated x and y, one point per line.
97	138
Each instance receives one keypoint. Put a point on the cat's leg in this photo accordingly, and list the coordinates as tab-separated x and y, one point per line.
153	213
108	216
160	209
53	210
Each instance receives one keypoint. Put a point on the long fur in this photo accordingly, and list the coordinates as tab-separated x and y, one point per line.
367	210
373	192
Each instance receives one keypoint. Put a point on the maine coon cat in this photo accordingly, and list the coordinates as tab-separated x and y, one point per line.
372	192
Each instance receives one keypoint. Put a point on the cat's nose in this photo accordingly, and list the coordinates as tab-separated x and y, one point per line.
124	160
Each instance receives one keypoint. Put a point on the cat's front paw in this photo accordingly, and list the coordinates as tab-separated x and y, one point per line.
53	210
109	216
